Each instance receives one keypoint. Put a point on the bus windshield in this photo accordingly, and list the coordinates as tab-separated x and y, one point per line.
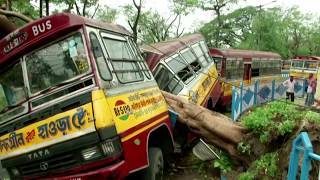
11	87
312	65
56	63
297	64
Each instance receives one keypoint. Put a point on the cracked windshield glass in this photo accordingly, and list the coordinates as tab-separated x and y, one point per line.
56	63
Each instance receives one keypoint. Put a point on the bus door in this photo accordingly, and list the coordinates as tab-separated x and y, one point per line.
247	71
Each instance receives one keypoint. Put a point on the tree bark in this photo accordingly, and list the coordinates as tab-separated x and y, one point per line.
215	128
47	7
134	26
6	26
15	14
40	8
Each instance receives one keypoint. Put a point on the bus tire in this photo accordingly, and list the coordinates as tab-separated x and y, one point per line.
156	165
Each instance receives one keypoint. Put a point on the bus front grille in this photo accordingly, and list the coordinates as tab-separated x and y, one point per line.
49	165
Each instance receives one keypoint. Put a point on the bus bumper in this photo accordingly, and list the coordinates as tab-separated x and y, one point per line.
113	172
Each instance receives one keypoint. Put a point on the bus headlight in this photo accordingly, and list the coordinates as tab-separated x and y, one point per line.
91	153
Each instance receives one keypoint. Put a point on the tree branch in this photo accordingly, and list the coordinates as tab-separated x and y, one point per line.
77	8
136	5
84	7
95	11
15	14
169	26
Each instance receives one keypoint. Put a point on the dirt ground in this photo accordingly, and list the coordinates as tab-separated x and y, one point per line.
186	166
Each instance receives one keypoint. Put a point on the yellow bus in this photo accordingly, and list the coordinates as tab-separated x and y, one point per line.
183	67
302	66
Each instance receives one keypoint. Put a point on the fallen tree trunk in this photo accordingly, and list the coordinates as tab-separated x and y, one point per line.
7	26
215	128
245	145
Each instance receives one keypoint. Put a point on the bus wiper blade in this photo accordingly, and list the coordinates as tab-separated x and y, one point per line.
58	85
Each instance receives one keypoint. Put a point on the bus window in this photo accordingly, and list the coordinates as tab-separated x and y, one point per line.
56	63
234	69
297	64
104	70
310	65
205	50
140	59
167	81
191	59
255	71
200	55
181	68
124	63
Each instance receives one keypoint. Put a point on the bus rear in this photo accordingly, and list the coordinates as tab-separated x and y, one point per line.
78	102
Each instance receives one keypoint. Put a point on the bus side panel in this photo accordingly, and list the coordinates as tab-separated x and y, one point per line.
135	114
136	148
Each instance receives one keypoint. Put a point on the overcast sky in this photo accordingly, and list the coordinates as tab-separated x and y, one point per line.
193	20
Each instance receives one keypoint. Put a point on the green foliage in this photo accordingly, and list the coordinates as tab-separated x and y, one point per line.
107	14
224	163
235	29
246	176
276	118
312	117
244	148
267	164
80	7
285	31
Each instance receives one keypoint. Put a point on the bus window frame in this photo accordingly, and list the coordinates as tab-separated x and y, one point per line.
298	68
196	59
206	51
311	69
142	62
192	47
171	58
165	66
86	49
103	55
123	38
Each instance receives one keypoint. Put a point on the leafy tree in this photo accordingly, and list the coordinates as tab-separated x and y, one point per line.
107	14
134	14
237	27
79	6
24	7
217	7
156	28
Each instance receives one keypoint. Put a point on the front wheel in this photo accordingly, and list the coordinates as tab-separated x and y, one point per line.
156	165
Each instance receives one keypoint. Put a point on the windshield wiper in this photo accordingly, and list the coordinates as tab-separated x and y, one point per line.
58	85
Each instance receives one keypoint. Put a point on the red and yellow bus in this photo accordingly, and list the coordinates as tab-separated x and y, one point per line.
183	67
245	66
78	102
